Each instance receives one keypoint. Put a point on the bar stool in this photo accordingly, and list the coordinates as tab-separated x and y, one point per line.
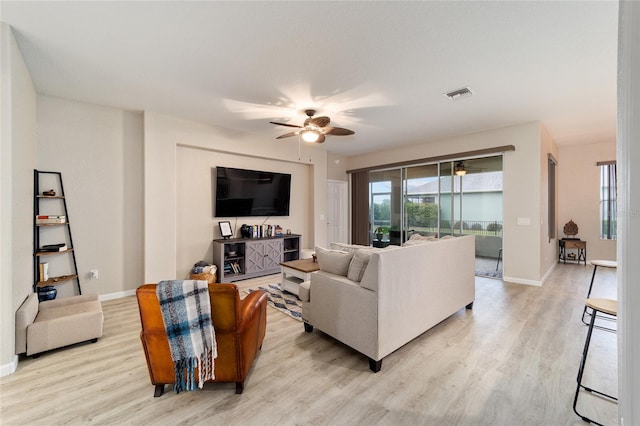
605	264
606	306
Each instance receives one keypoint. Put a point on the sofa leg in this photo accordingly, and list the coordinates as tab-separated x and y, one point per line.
239	387
34	356
308	327
159	391
374	365
470	306
94	340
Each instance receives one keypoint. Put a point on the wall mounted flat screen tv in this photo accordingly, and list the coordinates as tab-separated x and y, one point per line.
241	192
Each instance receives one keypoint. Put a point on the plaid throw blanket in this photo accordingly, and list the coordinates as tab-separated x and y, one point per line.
186	313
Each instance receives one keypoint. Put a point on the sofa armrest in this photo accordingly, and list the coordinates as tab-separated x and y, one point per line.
251	328
25	315
304	291
344	310
250	308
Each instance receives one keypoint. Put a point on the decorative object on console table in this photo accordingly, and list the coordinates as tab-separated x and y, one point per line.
47	220
225	229
571	242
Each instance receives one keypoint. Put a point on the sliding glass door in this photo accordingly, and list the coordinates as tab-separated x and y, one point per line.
421	200
446	198
385	191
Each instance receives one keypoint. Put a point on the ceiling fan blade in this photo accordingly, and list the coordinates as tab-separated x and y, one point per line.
337	131
287	135
286	124
321	138
320	121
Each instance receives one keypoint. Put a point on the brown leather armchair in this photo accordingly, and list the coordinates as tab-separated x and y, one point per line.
239	325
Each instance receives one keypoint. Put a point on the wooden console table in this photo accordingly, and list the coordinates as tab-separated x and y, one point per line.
573	244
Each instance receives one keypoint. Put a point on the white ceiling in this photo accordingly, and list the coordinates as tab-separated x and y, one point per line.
378	68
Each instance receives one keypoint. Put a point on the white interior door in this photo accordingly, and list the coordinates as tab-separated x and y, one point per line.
337	211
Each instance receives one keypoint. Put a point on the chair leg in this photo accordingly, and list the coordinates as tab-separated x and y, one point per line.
583	361
374	365
239	387
159	391
593	275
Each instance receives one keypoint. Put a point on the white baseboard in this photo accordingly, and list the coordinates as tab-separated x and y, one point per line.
9	368
522	281
117	295
548	274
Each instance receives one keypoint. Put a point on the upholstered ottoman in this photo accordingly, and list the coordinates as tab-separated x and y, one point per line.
56	323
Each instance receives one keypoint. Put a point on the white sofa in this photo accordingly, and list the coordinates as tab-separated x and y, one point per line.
403	292
56	323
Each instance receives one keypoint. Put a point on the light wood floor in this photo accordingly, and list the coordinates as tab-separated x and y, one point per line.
513	360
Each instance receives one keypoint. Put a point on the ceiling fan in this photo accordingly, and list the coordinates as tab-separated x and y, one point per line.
314	128
461	167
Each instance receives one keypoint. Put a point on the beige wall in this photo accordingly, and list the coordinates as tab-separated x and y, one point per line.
164	135
579	189
99	152
196	225
522	189
337	167
17	161
548	246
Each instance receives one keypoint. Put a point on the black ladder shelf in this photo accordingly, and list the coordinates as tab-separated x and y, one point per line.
47	219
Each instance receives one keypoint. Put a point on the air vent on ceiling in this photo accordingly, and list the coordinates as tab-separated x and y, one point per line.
456	95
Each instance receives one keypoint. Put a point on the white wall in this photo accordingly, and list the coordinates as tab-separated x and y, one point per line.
337	167
628	157
522	189
196	225
98	150
579	186
164	135
17	161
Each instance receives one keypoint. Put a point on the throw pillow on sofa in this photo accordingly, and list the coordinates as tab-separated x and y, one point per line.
334	261
359	264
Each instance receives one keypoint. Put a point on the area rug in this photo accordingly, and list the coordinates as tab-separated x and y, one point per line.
489	274
283	301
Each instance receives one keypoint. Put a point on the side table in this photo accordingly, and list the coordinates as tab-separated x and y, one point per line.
295	273
573	244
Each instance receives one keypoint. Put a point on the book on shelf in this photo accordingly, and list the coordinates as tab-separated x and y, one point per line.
44	271
45	219
54	247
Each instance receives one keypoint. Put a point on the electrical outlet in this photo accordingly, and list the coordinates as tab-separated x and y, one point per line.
94	274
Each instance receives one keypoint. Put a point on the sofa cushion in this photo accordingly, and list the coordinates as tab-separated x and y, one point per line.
347	247
334	261
358	264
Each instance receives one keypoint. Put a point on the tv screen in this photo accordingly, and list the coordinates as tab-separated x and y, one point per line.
242	192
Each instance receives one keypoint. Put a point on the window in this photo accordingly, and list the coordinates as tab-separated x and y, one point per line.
608	209
552	164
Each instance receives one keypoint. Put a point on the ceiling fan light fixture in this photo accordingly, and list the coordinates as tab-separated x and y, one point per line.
310	135
459	169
